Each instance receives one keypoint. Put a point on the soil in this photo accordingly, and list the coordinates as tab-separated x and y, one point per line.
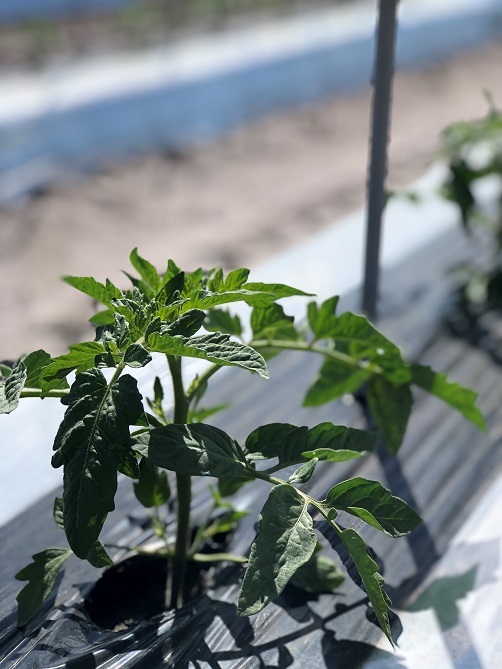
236	201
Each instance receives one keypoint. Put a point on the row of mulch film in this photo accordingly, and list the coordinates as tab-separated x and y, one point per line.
129	25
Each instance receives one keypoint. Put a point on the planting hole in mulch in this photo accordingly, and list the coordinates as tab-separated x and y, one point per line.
135	589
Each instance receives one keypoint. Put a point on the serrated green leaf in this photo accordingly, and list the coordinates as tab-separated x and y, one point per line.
335	379
41	575
227	487
5	370
201	415
146	271
34	363
390	406
319	575
95	289
292	445
93	444
186	325
360	339
152	488
193	450
117	333
204	299
322	318
347	444
277	440
80	358
271	322
136	356
220	320
104	317
225	523
374	504
10	390
284	543
278	290
235	279
304	472
458	397
372	580
215	347
98	556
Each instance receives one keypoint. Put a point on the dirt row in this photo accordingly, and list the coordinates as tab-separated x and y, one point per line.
236	201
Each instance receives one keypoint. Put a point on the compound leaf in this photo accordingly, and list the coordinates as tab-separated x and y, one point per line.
284	543
93	444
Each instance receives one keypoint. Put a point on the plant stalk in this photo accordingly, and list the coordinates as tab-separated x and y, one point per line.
184	493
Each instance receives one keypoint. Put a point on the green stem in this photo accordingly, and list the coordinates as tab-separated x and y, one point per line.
184	492
313	348
218	557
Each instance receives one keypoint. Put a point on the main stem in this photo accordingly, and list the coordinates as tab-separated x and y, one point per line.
184	492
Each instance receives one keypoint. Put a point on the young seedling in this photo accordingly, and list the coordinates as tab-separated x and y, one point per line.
109	428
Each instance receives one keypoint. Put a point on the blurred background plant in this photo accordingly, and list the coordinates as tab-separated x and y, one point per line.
473	151
36	37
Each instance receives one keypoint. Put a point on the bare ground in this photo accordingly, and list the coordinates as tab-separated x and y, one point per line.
235	201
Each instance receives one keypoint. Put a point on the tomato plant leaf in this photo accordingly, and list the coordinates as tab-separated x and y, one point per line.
193	450
278	290
271	322
93	443
186	325
81	357
285	541
152	488
95	289
215	347
11	388
34	363
136	356
41	575
146	271
360	339
98	556
335	379
292	445
220	320
371	578
304	472
390	406
319	575
322	318
450	392
374	504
